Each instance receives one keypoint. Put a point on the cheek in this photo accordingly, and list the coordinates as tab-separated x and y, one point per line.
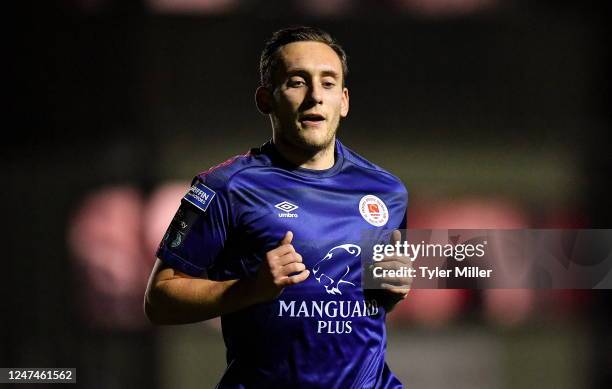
287	106
292	97
336	98
282	106
336	102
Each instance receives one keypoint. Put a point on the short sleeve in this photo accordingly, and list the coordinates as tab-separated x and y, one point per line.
404	223
198	232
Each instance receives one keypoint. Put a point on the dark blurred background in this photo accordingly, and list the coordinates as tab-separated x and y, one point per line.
494	113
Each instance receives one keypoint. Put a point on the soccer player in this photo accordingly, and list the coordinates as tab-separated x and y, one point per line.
272	240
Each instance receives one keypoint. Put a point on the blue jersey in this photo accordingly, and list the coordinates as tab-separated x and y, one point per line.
321	333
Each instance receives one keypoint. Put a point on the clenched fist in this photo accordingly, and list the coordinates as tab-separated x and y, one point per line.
393	289
278	268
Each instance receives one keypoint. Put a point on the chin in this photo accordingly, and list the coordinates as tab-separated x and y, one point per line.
316	139
316	144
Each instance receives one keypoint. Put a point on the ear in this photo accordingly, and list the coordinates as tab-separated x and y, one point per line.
263	100
344	104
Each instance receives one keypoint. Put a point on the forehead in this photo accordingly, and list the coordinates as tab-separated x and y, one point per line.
308	56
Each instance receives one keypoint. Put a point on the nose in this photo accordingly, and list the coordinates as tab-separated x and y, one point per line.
314	93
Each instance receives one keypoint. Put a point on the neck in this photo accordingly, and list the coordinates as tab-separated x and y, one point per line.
310	159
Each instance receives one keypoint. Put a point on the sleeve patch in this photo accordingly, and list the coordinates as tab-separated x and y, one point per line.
200	195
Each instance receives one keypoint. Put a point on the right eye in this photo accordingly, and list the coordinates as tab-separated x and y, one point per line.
296	83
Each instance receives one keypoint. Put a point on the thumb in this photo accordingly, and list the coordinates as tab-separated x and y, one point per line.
396	236
287	238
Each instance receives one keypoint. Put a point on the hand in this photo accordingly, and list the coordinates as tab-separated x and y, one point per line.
396	287
274	274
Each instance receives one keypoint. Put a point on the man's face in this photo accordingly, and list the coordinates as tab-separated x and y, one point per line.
308	99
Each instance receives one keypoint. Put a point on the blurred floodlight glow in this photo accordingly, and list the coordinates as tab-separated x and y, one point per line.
113	238
325	7
104	238
507	307
436	8
193	6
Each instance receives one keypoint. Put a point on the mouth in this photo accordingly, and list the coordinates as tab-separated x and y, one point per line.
312	119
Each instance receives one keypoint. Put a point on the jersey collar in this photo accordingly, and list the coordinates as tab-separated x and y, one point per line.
277	160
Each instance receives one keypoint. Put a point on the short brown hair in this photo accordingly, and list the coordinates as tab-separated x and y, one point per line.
269	57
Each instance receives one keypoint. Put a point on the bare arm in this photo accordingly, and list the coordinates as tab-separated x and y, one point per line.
173	297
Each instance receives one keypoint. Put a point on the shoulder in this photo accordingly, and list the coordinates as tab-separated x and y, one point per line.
372	170
221	176
214	185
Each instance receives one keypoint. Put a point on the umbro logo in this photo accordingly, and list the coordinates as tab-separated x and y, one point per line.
287	207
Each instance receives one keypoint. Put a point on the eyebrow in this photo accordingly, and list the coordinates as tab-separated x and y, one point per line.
324	73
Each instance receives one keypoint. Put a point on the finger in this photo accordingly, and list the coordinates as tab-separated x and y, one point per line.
393	264
396	236
294	267
396	290
282	250
290	257
405	261
287	238
287	258
296	279
394	282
